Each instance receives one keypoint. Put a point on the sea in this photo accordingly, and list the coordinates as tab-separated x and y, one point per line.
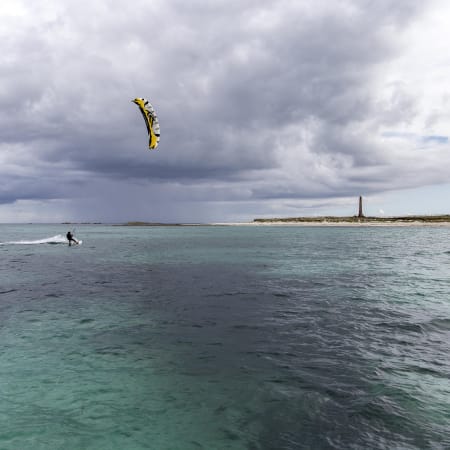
224	337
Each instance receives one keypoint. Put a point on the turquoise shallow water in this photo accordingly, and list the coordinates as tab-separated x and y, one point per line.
224	338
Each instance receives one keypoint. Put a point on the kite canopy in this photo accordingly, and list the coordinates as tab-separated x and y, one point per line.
151	121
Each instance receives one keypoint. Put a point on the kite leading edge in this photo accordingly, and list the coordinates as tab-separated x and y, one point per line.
151	121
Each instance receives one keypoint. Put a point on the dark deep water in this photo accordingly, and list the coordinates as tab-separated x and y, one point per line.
225	338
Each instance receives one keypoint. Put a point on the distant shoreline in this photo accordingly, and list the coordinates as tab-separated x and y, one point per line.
325	221
328	221
336	224
441	220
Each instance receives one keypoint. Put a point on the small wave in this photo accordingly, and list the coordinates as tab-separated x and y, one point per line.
58	239
438	325
404	326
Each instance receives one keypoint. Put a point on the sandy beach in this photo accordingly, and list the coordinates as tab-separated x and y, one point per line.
337	224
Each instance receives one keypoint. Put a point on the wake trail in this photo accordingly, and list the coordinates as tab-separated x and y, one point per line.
58	239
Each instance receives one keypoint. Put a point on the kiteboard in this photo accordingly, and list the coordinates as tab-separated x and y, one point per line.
78	243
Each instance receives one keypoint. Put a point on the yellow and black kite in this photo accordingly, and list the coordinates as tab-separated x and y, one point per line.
151	121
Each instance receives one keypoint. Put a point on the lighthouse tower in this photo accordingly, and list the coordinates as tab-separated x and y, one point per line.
360	212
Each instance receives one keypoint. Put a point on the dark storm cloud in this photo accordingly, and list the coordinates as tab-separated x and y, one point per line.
272	99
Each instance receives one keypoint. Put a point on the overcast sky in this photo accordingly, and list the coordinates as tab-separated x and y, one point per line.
267	108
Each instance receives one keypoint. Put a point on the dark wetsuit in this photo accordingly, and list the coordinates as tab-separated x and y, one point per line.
70	238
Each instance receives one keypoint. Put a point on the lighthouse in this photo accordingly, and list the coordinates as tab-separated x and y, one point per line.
360	212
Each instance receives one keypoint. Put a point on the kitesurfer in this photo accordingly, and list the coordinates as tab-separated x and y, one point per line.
70	238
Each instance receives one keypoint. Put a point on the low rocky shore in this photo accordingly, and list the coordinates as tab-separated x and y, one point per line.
441	220
358	221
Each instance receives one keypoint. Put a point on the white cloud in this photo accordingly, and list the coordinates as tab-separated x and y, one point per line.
261	104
